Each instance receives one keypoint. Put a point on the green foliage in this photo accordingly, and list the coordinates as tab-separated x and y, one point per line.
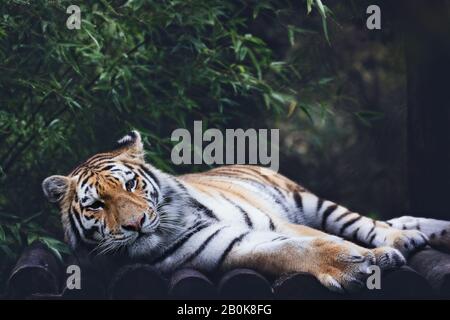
150	65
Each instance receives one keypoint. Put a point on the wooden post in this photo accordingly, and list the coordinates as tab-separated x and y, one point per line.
402	283
93	285
435	267
301	286
137	281
38	270
244	284
427	43
189	284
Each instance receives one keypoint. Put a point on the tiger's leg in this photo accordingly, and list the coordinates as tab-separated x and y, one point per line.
338	264
383	257
437	231
338	220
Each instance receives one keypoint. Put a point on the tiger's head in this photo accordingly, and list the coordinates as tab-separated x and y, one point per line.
114	201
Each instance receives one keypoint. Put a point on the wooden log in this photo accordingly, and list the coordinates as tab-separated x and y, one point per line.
402	283
137	281
245	284
92	284
38	270
435	267
301	286
428	130
190	284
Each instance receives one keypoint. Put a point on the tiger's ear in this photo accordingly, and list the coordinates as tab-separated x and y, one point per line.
132	145
55	187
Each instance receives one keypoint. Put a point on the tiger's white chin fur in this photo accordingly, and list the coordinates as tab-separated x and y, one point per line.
145	245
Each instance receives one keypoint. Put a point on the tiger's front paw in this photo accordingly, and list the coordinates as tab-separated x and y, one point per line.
441	238
406	241
388	258
343	267
437	231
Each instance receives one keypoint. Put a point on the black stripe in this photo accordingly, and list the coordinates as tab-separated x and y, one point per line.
149	178
281	194
147	171
78	237
279	238
90	174
372	229
197	205
246	217
88	162
145	176
102	228
202	246
101	161
113	179
76	214
355	235
91	162
282	201
98	157
372	238
89	217
85	233
167	198
180	185
200	225
108	167
298	201
229	248
319	205
271	225
154	193
244	213
256	184
299	204
328	211
348	224
74	227
346	213
91	231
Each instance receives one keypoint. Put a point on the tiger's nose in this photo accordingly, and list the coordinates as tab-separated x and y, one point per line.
135	225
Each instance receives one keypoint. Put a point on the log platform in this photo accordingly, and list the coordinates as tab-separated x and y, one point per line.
40	274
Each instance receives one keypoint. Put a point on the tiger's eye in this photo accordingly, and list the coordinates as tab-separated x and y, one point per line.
130	184
96	205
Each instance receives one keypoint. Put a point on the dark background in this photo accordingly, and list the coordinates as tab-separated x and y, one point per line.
363	114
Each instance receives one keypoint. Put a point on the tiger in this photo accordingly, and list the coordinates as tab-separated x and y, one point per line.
233	216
